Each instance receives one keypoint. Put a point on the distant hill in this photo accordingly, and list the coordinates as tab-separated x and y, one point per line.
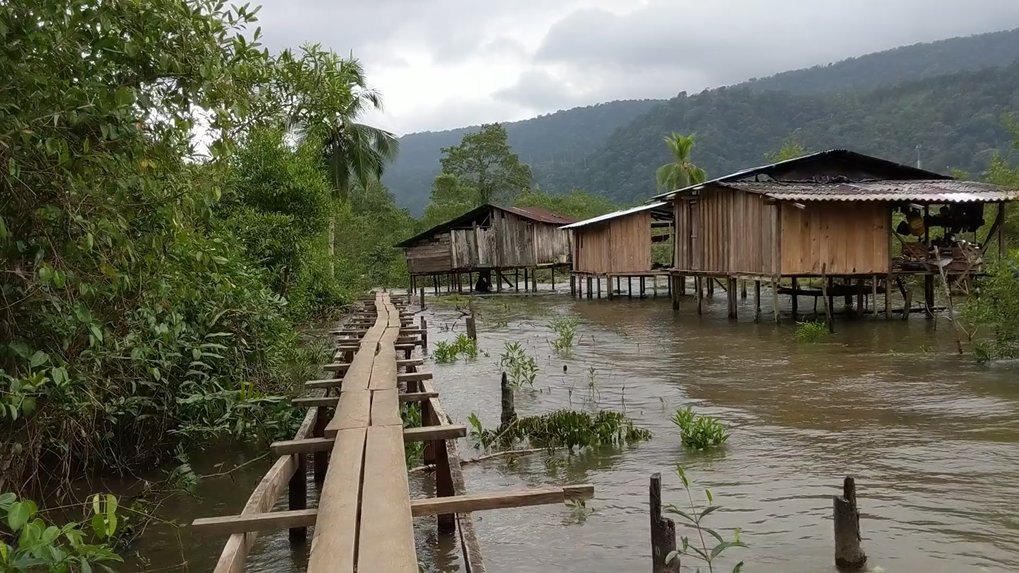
614	148
545	142
956	119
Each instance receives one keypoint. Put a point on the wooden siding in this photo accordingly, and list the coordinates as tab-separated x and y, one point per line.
726	232
510	241
851	238
620	245
430	255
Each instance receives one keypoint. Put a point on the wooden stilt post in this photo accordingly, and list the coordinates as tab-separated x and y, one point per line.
873	296
424	333
674	291
598	279
297	497
320	460
629	287
796	299
509	412
435	283
573	284
774	297
928	294
888	296
757	301
860	296
699	290
743	290
608	287
663	531
672	284
682	285
590	287
470	281
711	287
828	298
643	285
849	556
443	484
472	327
413	288
730	292
516	280
534	279
422	298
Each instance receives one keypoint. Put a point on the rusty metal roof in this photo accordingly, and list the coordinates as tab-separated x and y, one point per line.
922	190
538	214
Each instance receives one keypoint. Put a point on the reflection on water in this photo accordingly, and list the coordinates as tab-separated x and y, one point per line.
933	440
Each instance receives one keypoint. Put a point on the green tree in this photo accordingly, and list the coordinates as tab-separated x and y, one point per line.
681	172
485	163
578	203
791	149
450	198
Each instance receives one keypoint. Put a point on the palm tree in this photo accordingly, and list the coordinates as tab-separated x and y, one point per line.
352	151
681	172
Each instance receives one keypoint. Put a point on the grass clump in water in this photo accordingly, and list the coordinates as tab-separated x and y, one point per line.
568	429
565	328
521	368
448	352
699	432
811	331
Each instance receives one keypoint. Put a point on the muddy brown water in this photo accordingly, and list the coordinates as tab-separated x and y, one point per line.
932	438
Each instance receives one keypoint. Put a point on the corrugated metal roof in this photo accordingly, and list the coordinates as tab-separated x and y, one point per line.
614	215
843	154
538	214
925	190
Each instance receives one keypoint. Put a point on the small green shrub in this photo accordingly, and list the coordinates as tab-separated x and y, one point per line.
811	331
413	452
565	328
448	352
39	546
693	517
699	432
992	318
562	429
521	368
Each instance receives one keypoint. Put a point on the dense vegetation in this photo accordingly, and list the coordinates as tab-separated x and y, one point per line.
945	96
163	235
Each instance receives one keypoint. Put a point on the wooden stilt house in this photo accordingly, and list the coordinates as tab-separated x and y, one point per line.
490	240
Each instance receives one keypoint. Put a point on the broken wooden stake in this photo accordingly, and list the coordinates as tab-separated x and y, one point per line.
849	556
509	413
663	531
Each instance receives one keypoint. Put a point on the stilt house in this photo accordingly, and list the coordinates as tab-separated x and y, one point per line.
490	239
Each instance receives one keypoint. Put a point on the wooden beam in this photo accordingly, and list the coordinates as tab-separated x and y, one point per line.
335	541
413	376
386	529
487	501
324	383
422	434
317	401
336	367
244	523
417	396
409	362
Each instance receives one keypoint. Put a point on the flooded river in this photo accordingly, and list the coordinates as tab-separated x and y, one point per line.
932	438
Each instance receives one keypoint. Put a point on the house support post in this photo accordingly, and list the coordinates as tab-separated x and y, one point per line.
888	296
774	297
589	287
928	294
757	301
730	292
795	299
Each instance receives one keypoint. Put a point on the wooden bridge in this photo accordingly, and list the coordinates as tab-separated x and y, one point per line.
364	519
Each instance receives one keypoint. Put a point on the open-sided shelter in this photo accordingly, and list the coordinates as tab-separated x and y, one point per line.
834	214
489	240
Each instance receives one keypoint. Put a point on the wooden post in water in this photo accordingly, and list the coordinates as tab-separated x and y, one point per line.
629	287
757	301
775	282
711	287
796	299
849	556
698	283
527	281
674	290
516	279
443	485
731	292
422	296
553	276
928	294
682	285
873	296
663	531
828	298
888	296
534	279
424	334
598	279
297	497
472	328
590	288
320	461
573	284
509	412
743	289
643	286
907	303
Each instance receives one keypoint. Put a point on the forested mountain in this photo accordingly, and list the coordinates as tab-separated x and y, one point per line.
906	63
956	119
545	142
614	148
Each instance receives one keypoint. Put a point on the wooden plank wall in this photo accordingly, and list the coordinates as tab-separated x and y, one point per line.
592	245
630	239
725	232
550	242
430	255
514	239
851	238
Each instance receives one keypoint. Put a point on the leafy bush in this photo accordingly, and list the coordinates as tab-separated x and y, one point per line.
447	352
562	429
693	517
565	328
699	432
993	315
811	331
39	546
521	368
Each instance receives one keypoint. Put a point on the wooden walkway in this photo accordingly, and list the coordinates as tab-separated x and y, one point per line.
364	520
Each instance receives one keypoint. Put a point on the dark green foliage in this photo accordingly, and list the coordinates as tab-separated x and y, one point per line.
367	227
699	432
483	162
578	203
448	352
994	314
811	331
563	429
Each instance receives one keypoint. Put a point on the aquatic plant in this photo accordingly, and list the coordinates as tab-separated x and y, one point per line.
448	352
561	429
565	329
39	546
693	517
699	432
811	331
413	452
521	368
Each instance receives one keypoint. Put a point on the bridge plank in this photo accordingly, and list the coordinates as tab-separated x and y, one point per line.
386	408
335	540
387	532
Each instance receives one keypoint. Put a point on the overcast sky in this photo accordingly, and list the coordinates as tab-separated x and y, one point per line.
448	63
